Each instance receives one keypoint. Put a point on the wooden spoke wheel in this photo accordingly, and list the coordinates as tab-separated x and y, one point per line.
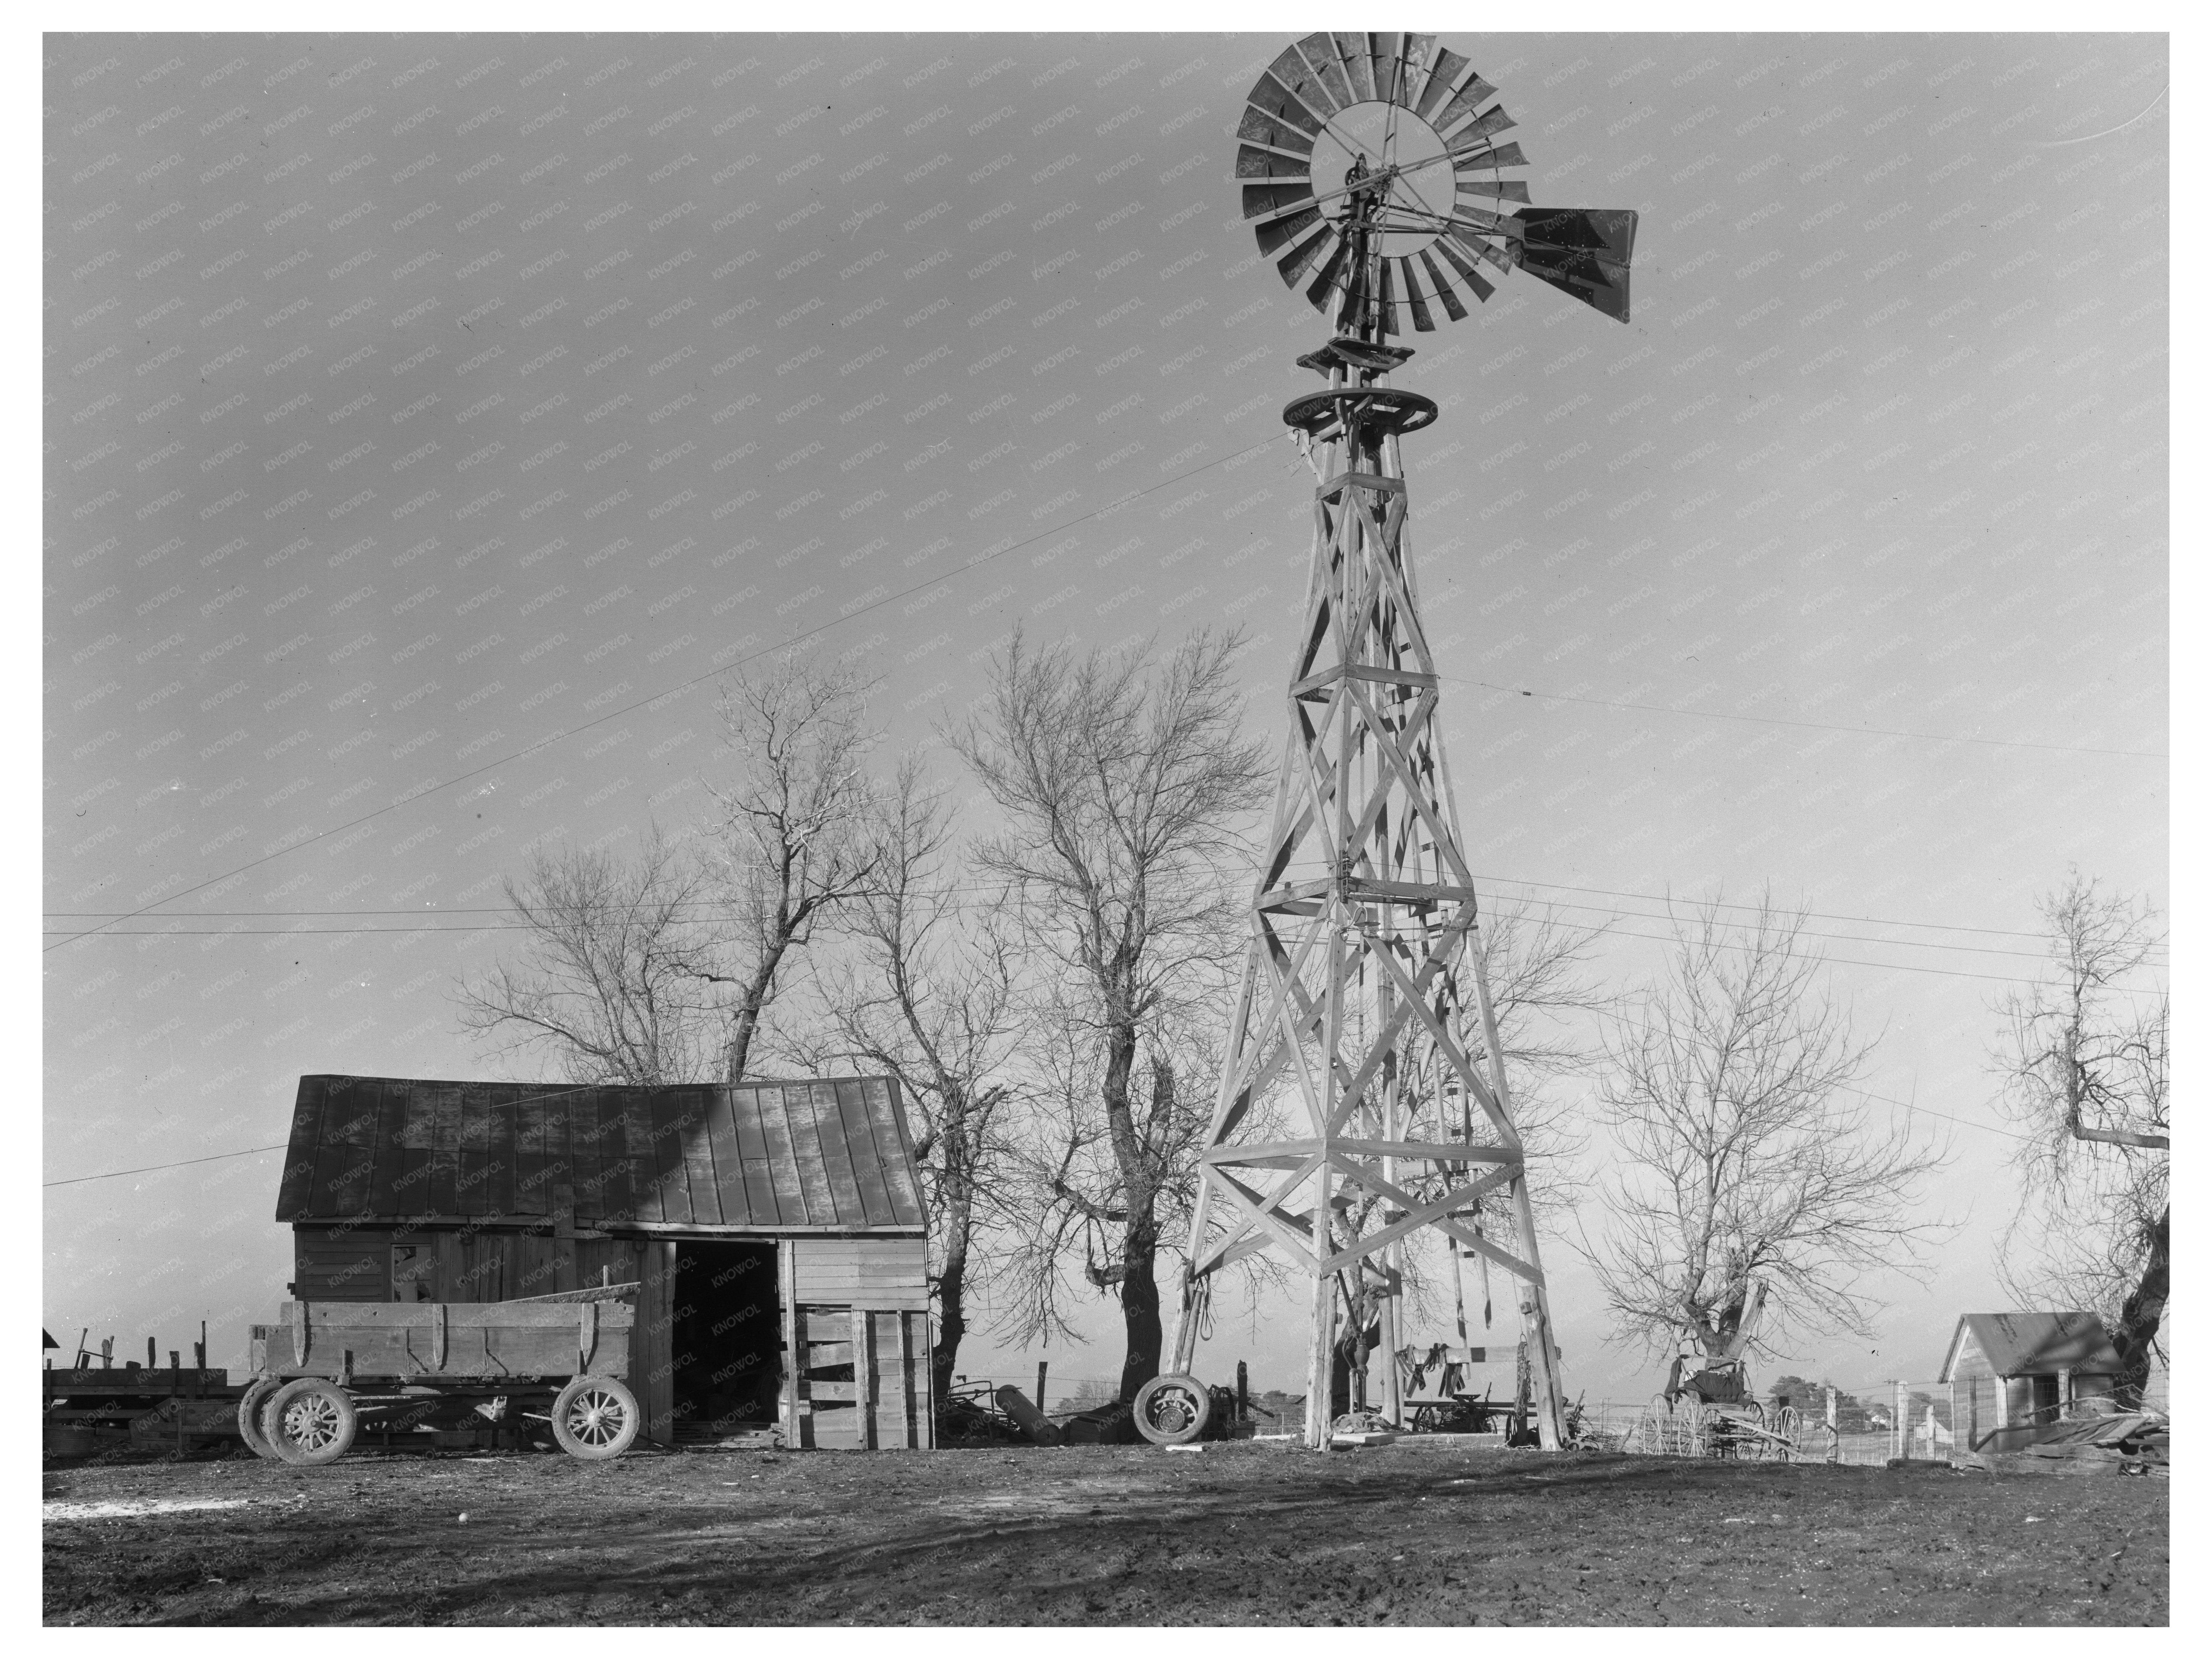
1171	1409
250	1405
310	1421
595	1417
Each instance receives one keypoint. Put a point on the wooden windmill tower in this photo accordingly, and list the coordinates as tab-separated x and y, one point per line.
1363	1095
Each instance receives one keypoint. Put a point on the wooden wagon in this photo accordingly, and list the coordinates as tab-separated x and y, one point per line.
324	1371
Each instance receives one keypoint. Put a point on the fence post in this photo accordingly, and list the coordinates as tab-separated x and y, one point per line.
1897	1425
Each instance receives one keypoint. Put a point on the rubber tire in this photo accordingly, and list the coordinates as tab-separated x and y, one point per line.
272	1421
589	1451
1142	1410
250	1405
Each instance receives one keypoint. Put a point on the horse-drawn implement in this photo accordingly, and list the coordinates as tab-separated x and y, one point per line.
325	1373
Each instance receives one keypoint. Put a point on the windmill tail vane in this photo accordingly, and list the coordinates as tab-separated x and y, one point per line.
1363	1095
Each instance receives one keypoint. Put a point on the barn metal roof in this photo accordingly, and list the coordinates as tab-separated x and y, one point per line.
2037	1344
812	1156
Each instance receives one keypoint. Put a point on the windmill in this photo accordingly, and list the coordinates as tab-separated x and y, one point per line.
1362	1095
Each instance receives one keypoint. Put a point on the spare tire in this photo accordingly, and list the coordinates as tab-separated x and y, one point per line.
1171	1409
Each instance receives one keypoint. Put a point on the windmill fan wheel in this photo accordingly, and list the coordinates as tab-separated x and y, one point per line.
1371	169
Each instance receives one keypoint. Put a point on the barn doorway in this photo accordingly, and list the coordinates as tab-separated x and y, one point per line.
725	1338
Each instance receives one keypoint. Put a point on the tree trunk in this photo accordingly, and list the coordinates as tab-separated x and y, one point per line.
747	1022
2141	1313
951	1305
1141	1301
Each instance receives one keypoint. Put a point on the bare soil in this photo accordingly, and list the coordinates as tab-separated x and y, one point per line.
1234	1535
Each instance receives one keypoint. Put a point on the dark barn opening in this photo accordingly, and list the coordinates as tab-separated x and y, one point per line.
727	1335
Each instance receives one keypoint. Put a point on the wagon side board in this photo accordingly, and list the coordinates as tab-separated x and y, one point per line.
473	1341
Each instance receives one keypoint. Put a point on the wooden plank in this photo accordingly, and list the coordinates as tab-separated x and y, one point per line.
902	1398
794	1367
864	1376
528	1196
814	1113
505	1152
794	1196
732	1201
867	1157
696	1156
331	1156
653	1382
473	1149
761	1204
354	1139
925	1371
413	1127
441	1186
893	1145
297	1183
664	1171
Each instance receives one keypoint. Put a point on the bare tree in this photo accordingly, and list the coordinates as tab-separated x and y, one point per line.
931	999
613	980
1124	783
1741	1161
2084	1067
793	843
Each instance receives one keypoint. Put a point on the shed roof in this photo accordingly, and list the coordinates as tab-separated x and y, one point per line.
2037	1344
801	1156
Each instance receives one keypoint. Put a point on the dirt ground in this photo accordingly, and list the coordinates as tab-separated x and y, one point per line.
1234	1534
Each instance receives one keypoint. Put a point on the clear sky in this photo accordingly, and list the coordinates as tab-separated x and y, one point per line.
427	420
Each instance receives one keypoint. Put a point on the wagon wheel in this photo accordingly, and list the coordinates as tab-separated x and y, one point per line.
250	1404
1785	1425
1832	1442
595	1417
1171	1409
310	1421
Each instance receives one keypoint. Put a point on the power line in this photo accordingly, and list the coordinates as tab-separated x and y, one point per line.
676	690
148	1169
1812	725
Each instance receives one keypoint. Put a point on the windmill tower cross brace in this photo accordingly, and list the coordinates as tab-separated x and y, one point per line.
1357	1105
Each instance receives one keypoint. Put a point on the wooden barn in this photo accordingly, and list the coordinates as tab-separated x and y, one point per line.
2012	1370
756	1221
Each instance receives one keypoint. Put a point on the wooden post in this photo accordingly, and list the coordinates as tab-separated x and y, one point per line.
199	1348
1243	1393
1318	1355
2065	1389
1040	1397
795	1405
1832	1408
863	1377
1897	1421
152	1361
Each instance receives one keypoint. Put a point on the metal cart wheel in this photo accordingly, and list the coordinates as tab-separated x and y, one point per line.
1171	1410
1785	1425
595	1417
310	1421
250	1404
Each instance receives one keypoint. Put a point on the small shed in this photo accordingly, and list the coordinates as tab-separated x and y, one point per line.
759	1222
2015	1370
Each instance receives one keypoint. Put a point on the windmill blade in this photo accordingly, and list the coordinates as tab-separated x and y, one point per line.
1443	71
1420	51
1416	302
1389	306
1266	201
1479	285
1271	97
1261	128
1472	241
1387	50
1318	294
1505	189
1450	300
1320	56
1277	232
1481	219
1291	72
1473	163
1471	97
1477	132
1581	252
1292	266
1358	66
1254	163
